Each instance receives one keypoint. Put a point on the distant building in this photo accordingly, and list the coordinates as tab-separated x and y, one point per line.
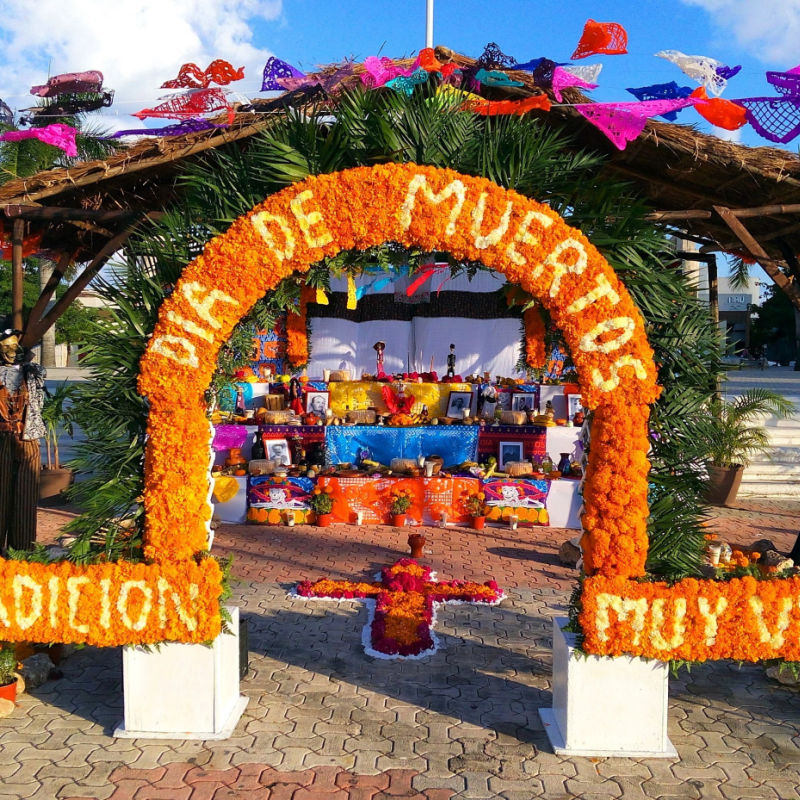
735	303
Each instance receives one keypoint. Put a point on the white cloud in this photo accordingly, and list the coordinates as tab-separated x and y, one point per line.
768	29
136	44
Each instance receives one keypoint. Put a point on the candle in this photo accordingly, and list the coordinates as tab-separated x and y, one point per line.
443	519
359	517
429	469
513	521
289	518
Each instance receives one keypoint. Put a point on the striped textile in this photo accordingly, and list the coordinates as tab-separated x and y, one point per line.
20	463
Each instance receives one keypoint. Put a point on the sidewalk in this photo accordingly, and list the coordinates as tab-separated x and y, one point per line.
326	721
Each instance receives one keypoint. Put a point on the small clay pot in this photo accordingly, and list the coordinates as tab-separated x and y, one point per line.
416	542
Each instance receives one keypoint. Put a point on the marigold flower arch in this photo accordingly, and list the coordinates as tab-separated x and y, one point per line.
434	209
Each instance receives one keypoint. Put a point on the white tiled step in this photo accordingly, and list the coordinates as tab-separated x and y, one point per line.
772	469
788	488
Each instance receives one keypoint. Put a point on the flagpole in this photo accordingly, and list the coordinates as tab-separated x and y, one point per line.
429	24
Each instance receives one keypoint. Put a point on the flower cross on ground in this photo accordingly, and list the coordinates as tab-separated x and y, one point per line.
402	608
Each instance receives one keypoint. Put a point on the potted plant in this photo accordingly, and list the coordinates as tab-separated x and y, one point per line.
8	671
54	478
475	509
322	503
401	502
735	436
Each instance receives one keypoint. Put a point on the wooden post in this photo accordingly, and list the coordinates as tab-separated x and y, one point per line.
17	277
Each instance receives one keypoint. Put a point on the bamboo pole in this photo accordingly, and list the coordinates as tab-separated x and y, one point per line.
17	277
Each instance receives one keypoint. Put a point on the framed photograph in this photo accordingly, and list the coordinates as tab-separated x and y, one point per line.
504	401
509	451
574	405
457	403
316	402
277	450
523	401
487	410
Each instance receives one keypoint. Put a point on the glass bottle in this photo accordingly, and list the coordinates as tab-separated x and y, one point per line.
547	464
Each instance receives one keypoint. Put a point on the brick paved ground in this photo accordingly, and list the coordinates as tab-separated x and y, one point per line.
326	721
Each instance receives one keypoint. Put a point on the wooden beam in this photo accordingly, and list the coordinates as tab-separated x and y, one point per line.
785	284
739	213
57	214
38	329
17	276
44	297
669	216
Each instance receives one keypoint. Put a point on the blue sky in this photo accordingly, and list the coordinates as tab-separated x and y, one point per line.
138	44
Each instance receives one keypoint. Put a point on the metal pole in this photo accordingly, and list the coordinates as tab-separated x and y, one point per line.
429	24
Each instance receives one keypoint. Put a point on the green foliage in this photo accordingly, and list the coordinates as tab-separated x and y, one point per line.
774	329
321	503
734	434
366	128
55	415
8	663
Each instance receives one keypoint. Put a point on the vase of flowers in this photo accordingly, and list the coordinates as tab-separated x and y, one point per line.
401	502
322	504
8	671
475	509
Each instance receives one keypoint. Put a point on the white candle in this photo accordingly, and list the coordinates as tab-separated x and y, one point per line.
443	519
359	517
513	521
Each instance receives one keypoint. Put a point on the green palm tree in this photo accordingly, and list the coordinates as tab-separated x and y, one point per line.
735	435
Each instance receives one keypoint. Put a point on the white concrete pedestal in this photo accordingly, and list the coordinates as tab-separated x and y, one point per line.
183	691
605	706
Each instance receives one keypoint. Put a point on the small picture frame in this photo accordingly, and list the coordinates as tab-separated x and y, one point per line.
277	450
504	401
457	403
315	402
509	451
574	405
523	401
487	410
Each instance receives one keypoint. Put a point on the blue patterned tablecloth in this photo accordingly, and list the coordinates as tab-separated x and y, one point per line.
453	443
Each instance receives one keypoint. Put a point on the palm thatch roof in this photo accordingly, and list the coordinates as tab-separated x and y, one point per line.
721	193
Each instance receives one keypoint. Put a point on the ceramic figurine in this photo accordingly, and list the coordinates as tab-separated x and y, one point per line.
451	362
379	347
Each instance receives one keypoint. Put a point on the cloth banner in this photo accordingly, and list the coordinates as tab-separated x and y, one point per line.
57	135
532	437
454	444
227	436
526	499
372	497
